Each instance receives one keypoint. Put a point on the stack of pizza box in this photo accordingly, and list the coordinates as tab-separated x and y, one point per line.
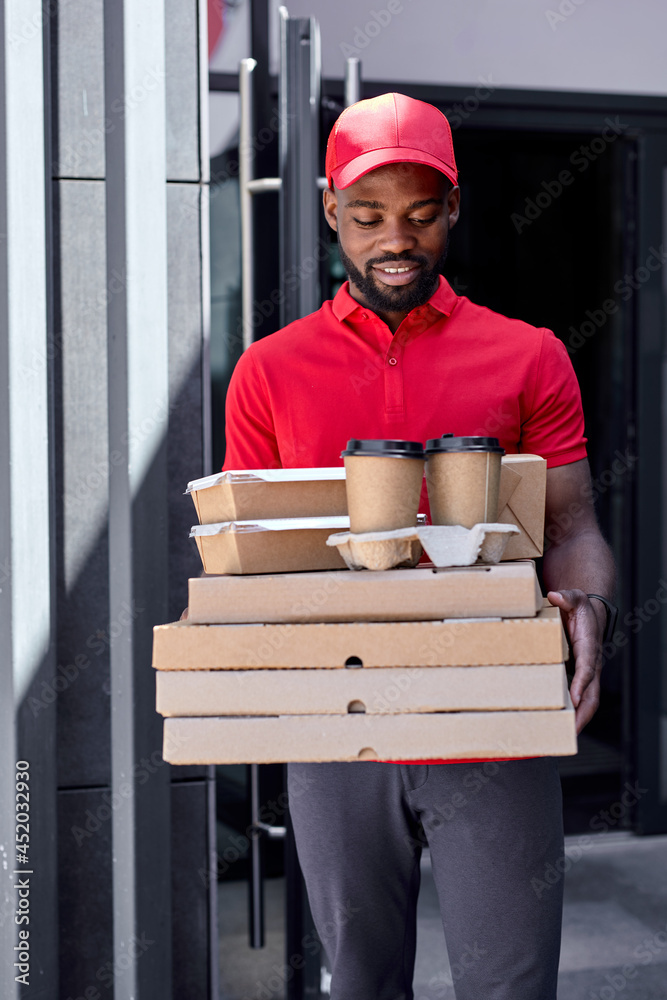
308	662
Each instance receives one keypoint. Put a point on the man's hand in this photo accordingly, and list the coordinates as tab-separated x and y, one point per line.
585	630
577	561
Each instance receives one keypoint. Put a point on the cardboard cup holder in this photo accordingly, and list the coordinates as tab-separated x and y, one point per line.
445	545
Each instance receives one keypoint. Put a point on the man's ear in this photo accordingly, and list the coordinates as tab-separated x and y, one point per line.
453	204
330	202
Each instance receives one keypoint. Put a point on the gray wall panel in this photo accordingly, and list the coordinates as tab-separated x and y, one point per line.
82	486
185	451
190	890
77	39
182	86
84	850
138	397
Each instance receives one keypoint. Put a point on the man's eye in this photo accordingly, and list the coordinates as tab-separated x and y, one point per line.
366	222
425	222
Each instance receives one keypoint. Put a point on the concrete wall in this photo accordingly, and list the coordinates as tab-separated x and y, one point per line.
590	45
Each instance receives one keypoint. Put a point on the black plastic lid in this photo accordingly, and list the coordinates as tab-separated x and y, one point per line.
384	448
448	442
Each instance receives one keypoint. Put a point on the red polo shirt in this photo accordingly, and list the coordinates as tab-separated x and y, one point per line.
297	396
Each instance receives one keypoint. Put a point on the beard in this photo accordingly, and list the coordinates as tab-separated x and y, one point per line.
395	298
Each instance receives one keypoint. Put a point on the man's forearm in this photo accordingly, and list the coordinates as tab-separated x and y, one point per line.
578	562
583	562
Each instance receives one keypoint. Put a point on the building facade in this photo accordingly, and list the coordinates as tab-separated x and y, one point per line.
120	323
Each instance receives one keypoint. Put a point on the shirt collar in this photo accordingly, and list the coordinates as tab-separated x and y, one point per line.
443	300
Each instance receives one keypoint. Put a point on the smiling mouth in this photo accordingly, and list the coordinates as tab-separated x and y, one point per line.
396	274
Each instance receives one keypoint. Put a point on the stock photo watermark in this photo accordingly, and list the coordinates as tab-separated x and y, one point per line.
97	642
466	960
602	822
635	620
72	156
239	843
22	874
581	159
310	945
624	289
561	524
32	27
645	953
378	20
112	801
565	10
111	971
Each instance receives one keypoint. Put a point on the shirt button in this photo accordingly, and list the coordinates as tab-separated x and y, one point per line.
392	361
364	315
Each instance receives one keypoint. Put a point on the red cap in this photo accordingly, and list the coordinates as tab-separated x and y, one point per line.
391	128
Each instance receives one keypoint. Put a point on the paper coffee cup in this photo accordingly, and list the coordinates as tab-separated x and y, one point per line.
463	479
383	481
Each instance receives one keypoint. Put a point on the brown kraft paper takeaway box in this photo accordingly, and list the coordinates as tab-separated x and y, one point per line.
459	735
243	549
246	494
521	501
392	690
508	590
461	642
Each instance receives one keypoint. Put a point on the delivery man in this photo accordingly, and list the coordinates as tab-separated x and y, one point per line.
397	354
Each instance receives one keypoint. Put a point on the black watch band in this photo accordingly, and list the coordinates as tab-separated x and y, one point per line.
612	616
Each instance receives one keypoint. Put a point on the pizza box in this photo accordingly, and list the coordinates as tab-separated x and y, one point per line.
357	736
392	690
452	642
507	590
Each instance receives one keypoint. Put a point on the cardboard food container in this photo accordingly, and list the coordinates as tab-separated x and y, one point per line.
265	493
457	735
453	642
284	493
508	590
273	545
387	690
521	501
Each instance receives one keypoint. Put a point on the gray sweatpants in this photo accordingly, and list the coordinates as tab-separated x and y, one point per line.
494	830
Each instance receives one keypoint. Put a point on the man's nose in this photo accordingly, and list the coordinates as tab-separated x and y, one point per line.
397	237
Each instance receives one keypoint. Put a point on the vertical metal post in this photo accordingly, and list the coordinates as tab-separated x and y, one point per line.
256	886
134	43
650	641
260	50
300	255
28	913
300	73
352	80
301	937
207	427
205	192
246	98
248	187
